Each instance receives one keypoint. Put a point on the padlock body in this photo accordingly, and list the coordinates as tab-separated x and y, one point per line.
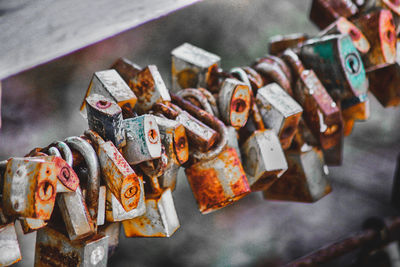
9	247
324	12
384	84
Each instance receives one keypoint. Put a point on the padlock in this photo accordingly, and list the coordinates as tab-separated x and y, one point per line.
217	178
192	67
9	246
344	26
143	140
149	88
119	177
378	26
126	69
233	142
324	12
321	113
304	181
384	84
93	173
279	43
199	135
234	102
160	219
337	64
109	83
394	7
115	212
272	69
105	118
101	208
30	225
279	111
111	230
29	188
55	249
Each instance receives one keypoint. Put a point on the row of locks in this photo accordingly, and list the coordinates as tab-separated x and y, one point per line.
273	127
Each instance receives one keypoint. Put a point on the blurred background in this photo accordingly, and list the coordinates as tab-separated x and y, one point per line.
42	105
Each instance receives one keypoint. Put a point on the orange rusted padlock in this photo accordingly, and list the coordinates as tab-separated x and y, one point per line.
279	111
29	188
324	12
378	26
216	177
279	43
344	26
321	113
304	181
384	84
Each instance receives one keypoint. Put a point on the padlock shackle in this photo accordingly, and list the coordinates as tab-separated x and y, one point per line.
92	162
95	139
211	100
167	111
294	62
53	151
255	78
242	75
197	95
209	120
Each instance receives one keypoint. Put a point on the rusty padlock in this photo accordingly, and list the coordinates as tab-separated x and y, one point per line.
111	230
200	136
279	43
30	225
55	249
29	188
234	102
109	83
217	178
344	26
378	26
279	111
126	68
143	140
394	7
337	64
9	246
115	212
384	84
119	177
192	67
273	69
160	219
149	88
304	181
263	158
320	111
101	208
93	173
324	12
105	118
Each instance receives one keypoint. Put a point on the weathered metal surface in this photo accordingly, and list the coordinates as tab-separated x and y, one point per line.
321	113
263	159
344	26
119	177
174	139
218	182
304	181
279	43
30	225
29	188
55	249
384	84
149	88
160	219
105	118
279	111
126	69
9	247
378	26
395	198
354	109
143	141
337	64
211	100
109	83
192	67
234	102
115	211
169	178
111	230
324	12
233	141
75	214
67	178
334	156
197	98
271	71
92	163
255	78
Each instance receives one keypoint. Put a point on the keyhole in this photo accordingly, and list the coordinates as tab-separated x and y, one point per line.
65	173
46	191
352	63
239	105
181	143
390	36
153	136
102	104
354	34
130	192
